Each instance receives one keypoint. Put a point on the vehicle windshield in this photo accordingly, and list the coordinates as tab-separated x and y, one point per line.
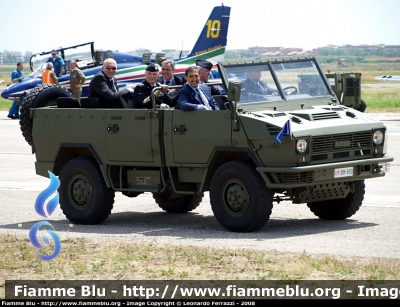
268	82
82	54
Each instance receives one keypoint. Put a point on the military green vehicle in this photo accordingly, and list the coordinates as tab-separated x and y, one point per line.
298	144
347	88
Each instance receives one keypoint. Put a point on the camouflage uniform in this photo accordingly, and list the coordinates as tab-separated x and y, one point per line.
76	77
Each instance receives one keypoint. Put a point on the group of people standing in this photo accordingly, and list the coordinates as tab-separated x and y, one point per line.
55	67
193	95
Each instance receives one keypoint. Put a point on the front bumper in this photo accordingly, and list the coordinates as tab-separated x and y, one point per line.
303	176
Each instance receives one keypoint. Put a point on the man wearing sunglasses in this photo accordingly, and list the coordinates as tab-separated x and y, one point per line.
104	86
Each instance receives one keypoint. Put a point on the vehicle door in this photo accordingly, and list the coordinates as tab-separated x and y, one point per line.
195	134
132	136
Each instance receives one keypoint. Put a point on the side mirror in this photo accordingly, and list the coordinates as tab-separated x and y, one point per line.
234	90
233	94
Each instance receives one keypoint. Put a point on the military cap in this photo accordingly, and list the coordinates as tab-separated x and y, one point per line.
152	68
205	64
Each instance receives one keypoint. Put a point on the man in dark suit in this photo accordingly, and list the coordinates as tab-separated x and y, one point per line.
205	72
194	96
255	89
142	93
104	86
168	74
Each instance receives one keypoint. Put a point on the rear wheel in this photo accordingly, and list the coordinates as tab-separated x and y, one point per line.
239	198
84	196
177	203
41	95
340	209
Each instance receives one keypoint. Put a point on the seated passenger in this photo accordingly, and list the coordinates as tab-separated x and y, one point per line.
194	96
168	76
255	89
205	72
142	92
104	86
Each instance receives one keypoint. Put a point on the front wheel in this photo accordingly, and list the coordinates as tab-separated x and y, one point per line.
239	198
340	209
84	196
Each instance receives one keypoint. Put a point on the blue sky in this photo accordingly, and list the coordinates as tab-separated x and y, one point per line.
126	25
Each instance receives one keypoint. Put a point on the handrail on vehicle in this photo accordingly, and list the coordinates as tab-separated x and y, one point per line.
153	100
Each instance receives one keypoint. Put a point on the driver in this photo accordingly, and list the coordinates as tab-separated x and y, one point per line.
255	89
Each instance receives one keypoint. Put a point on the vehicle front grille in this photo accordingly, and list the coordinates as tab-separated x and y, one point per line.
340	142
292	177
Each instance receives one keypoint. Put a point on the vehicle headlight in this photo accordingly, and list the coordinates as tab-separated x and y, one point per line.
377	137
301	146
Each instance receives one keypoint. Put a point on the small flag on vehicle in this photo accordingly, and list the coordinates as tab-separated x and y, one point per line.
285	131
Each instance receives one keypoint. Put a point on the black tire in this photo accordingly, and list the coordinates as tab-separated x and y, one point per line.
84	196
363	106
174	203
340	209
239	198
40	96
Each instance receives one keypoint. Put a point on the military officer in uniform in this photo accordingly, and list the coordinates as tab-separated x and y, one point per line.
142	92
255	89
77	79
205	72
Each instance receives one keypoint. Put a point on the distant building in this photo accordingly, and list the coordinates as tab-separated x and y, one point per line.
15	56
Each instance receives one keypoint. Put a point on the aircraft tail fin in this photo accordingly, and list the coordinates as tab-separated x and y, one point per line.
212	41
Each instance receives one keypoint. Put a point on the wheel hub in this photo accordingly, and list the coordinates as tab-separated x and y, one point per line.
236	198
81	193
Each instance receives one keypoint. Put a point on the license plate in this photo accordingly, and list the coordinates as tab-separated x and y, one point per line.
343	172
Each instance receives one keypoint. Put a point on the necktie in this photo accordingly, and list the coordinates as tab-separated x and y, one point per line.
113	85
203	98
167	82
